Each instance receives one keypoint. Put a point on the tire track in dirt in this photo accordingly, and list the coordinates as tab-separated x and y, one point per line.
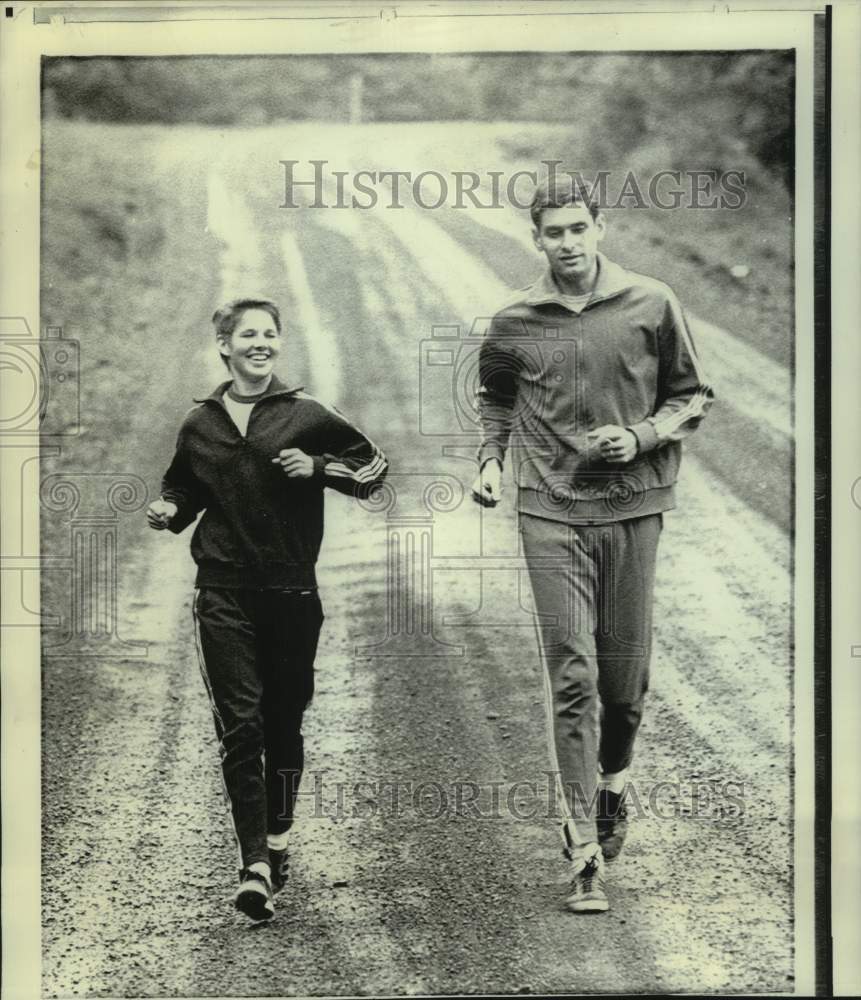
319	342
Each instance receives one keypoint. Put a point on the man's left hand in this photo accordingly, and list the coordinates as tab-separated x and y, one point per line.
616	444
296	464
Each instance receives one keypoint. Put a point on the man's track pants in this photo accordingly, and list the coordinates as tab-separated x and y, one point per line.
592	587
256	652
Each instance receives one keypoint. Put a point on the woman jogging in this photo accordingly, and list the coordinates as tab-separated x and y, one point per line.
255	457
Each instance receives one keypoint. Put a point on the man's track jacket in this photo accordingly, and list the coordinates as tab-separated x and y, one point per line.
548	376
261	528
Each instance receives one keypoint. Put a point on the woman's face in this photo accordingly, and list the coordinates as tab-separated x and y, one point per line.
253	346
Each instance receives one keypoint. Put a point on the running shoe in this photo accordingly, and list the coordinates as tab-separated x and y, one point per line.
586	893
254	896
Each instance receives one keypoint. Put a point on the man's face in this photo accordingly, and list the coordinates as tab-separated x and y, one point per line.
253	346
569	236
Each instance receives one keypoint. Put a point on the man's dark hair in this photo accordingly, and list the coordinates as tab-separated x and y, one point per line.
226	319
557	194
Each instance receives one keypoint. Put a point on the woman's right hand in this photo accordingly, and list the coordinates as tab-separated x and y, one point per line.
160	513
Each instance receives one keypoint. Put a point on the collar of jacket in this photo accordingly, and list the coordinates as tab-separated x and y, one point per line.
275	388
612	279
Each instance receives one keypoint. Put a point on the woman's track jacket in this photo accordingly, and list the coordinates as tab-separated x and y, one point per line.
548	376
262	529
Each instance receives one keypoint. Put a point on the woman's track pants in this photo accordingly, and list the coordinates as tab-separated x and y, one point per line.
256	651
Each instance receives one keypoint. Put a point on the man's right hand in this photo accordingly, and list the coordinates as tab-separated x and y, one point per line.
487	488
160	513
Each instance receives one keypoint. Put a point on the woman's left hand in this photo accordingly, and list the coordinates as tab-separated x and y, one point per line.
295	463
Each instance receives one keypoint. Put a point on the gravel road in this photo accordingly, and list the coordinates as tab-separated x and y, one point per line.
447	889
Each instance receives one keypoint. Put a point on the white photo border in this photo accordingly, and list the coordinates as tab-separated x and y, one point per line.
440	28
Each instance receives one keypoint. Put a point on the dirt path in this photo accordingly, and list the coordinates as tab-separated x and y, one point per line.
437	896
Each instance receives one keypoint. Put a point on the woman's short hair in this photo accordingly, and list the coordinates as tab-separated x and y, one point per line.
226	318
558	193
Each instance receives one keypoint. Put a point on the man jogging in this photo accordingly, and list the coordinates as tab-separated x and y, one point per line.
589	380
255	456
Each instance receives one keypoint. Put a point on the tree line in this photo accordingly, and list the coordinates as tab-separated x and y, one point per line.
720	104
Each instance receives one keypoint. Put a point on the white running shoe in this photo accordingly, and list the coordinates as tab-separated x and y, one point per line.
254	896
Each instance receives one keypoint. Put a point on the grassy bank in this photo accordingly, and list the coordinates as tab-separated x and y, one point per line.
116	275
